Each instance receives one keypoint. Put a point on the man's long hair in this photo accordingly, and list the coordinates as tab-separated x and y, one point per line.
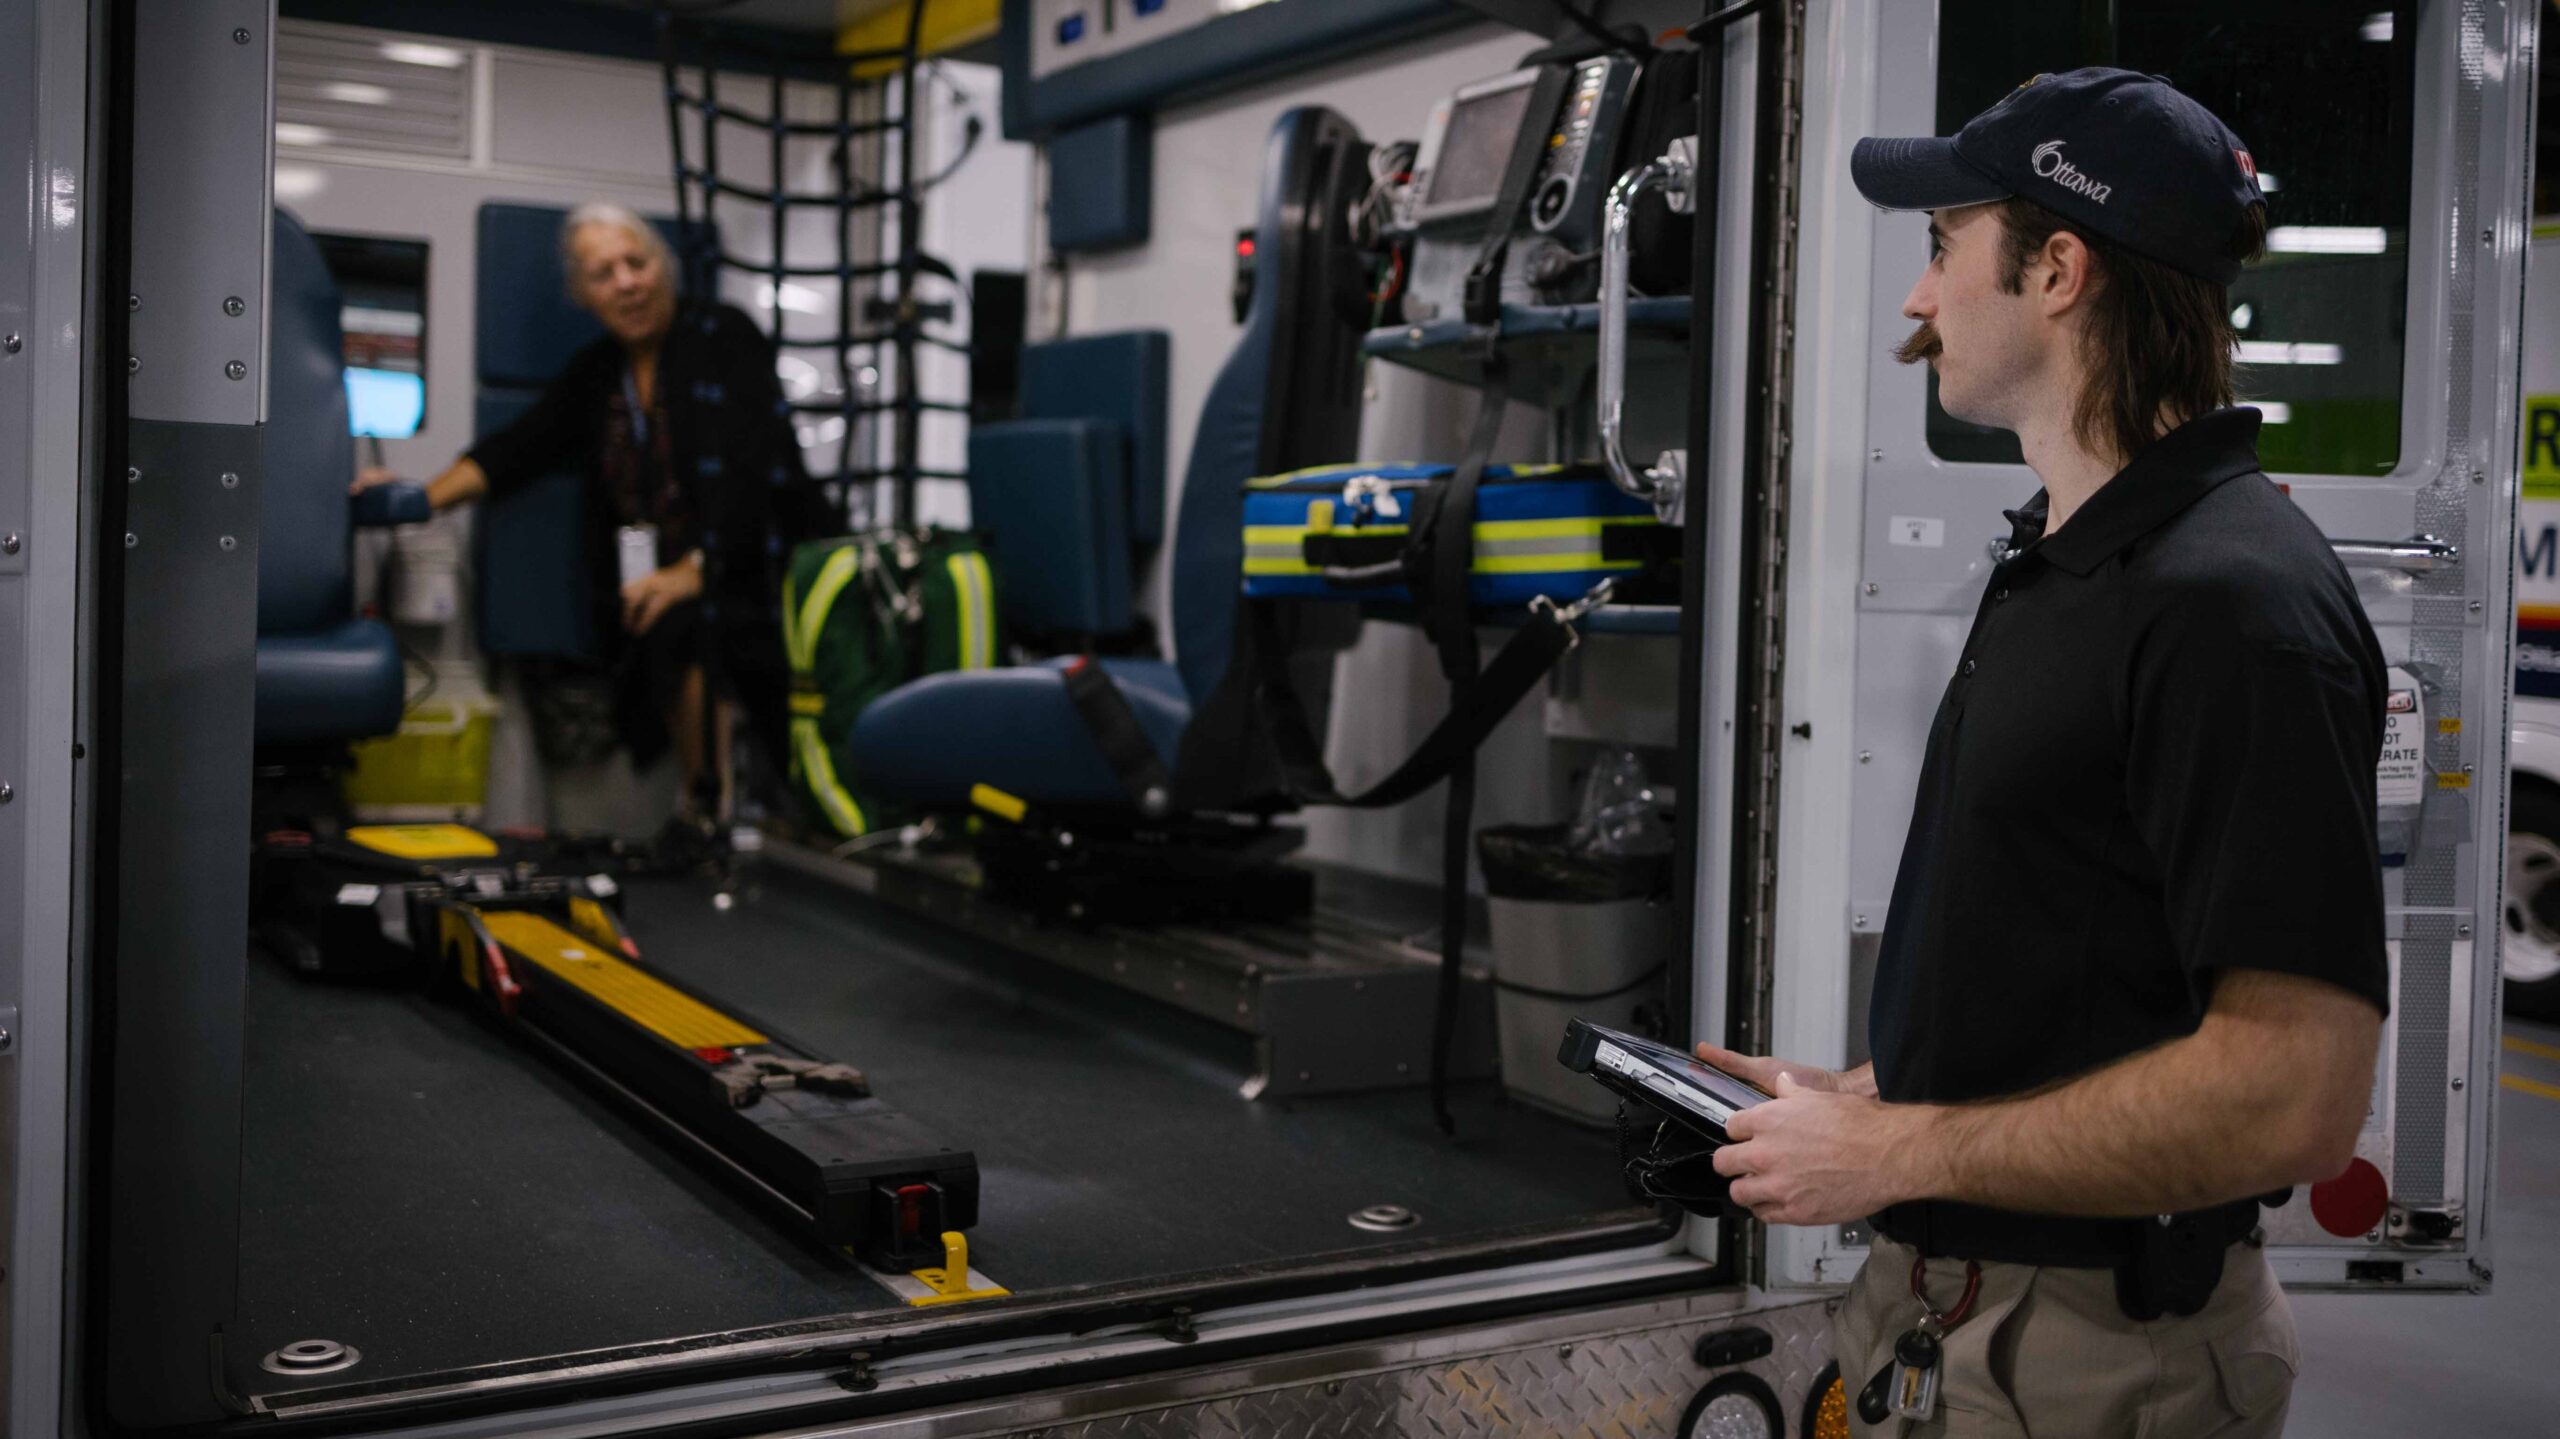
2158	345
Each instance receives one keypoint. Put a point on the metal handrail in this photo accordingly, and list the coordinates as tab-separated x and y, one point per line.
2422	554
1674	173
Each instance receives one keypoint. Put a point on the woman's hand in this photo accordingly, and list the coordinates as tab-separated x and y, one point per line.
647	599
370	476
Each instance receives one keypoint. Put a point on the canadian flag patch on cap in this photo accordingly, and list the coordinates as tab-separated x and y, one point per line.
2248	166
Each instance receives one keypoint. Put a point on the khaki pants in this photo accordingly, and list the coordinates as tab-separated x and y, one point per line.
2048	1353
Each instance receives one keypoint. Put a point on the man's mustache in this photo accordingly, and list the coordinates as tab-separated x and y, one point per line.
1923	345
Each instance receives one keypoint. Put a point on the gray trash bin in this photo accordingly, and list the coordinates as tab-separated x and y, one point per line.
1575	936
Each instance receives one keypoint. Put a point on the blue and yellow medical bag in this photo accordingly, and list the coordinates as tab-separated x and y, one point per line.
1340	532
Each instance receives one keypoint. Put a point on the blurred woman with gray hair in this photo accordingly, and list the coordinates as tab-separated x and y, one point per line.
695	493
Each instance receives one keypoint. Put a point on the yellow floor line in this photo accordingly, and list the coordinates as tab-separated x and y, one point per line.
2534	1047
2530	1086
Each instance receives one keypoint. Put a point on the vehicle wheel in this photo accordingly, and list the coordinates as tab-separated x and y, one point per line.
2530	958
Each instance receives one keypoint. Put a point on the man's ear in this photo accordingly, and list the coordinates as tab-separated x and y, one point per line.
2069	273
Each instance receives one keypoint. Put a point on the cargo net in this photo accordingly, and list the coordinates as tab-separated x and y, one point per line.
795	168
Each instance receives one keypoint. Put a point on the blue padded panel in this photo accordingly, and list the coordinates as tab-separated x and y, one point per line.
928	741
1101	184
525	326
338	683
1119	378
1208	540
1052	495
303	515
529	556
398	503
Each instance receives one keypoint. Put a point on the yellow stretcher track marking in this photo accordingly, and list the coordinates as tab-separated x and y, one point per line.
2534	1047
424	841
645	1000
2530	1086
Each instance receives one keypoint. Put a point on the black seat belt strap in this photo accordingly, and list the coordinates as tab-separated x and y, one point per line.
1115	729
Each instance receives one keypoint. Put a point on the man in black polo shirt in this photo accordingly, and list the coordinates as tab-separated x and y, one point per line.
2133	975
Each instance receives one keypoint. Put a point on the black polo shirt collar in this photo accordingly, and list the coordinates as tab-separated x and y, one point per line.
2174	473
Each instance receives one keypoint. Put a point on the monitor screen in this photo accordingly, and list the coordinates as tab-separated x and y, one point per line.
1475	147
385	404
382	287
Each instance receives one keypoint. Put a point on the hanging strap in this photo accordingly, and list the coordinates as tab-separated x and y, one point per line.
1115	729
1483	293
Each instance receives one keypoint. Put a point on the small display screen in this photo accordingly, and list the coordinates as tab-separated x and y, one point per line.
385	404
1475	147
382	285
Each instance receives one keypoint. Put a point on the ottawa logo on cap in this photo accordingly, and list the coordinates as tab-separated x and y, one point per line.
2048	164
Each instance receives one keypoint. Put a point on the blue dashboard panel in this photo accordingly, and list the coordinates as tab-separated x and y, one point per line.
1067	61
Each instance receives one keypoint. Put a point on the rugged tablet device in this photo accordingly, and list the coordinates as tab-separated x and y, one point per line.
1695	1093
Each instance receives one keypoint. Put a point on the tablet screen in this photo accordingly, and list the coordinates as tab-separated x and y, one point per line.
1684	1079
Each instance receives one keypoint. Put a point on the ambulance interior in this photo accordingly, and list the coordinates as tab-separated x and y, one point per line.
1062	299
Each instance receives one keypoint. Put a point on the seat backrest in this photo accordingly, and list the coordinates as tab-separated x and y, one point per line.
1052	498
304	519
1289	394
1118	378
528	549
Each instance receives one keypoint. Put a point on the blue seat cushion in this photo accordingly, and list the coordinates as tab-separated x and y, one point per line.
529	556
1052	496
338	683
1120	379
929	741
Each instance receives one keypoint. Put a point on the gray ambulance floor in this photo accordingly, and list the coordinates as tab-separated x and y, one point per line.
2474	1366
419	1185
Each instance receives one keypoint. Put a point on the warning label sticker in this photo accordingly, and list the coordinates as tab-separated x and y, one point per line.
2399	777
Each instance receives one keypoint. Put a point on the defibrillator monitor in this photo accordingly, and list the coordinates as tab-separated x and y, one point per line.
1468	143
1681	1086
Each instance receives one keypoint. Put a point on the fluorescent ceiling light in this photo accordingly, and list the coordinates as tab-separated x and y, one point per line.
2376	27
369	320
300	182
800	379
2286	352
407	52
355	93
2327	239
2277	412
289	132
824	432
799	299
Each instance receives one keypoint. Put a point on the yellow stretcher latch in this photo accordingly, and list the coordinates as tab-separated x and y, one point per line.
952	1282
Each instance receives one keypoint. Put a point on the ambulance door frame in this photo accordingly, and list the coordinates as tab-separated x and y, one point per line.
1869	420
46	492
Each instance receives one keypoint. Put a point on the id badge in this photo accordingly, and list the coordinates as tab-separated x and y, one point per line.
636	549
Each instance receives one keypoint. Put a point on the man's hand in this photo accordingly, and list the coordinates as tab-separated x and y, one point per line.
647	599
1823	1156
1763	1071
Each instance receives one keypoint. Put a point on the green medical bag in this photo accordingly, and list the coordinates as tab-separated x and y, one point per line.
861	616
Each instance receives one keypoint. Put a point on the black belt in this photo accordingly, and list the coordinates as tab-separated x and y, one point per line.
1943	1229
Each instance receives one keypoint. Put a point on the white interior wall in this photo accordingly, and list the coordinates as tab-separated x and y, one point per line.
1207	186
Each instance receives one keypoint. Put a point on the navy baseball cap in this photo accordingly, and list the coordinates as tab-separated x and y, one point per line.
2119	154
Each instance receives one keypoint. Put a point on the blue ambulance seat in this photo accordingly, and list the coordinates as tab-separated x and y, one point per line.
930	741
324	674
528	549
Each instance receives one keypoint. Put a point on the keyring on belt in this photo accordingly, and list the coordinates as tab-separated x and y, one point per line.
1963	1306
